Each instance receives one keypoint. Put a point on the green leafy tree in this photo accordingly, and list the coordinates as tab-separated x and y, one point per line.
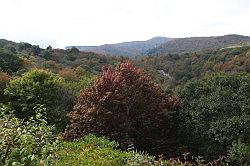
10	48
36	50
39	87
216	112
47	55
9	62
74	50
24	46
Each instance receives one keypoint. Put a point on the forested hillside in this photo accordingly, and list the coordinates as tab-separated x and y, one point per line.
186	45
69	107
175	69
129	49
77	68
164	46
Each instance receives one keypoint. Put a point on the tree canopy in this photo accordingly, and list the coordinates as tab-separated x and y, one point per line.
216	111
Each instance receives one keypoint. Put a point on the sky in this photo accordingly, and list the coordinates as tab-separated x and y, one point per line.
61	23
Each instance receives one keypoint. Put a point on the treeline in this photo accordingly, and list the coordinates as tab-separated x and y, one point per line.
77	68
26	56
49	113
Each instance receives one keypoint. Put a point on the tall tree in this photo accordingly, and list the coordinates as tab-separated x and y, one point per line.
126	105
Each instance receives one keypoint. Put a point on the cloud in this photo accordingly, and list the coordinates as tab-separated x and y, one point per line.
94	22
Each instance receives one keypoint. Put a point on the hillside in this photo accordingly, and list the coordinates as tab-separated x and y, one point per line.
171	70
32	56
167	69
185	45
130	49
163	45
164	105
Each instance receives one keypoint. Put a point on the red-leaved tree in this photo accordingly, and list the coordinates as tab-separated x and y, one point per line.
124	104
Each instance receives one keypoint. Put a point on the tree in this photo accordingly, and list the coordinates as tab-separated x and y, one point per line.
10	48
216	111
49	48
48	53
9	62
39	87
126	105
36	50
74	50
24	46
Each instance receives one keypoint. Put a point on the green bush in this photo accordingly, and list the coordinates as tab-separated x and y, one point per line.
90	150
26	143
39	87
215	113
239	154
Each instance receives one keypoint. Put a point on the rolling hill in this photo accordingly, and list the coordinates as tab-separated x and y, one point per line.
130	49
193	44
164	46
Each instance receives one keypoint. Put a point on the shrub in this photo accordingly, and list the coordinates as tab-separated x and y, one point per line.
126	105
4	80
39	87
26	143
185	160
90	150
239	154
215	112
137	158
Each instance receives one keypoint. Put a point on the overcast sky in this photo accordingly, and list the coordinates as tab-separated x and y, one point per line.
94	22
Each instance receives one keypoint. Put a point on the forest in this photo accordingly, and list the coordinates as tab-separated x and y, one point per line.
69	107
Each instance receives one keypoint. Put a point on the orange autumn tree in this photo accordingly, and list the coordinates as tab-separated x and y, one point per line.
124	104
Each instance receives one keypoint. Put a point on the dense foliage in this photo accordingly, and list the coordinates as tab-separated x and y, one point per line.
91	150
216	111
125	105
9	62
4	80
139	110
175	69
39	87
26	143
239	154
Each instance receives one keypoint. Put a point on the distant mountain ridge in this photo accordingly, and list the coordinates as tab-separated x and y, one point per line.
193	44
132	48
164	45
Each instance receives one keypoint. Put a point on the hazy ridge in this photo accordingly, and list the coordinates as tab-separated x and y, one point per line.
164	45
